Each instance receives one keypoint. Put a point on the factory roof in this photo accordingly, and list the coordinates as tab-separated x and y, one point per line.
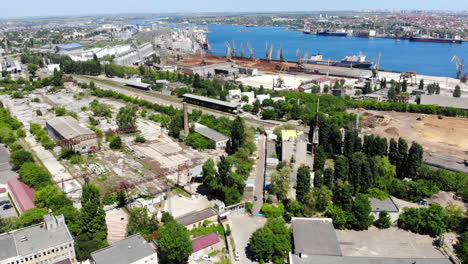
291	134
197	216
68	127
383	205
209	133
128	250
32	239
447	101
138	84
204	242
211	100
71	46
315	236
296	259
23	194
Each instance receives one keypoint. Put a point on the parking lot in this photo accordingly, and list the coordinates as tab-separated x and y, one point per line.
6	173
392	242
243	227
11	212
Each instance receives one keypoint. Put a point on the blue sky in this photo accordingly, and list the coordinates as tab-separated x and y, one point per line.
20	8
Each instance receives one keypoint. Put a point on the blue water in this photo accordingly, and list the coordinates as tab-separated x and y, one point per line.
424	58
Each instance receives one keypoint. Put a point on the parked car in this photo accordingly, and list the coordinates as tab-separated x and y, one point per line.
236	256
4	202
207	258
7	206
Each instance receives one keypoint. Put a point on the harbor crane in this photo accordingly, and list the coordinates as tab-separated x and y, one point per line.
242	50
228	50
375	70
299	57
460	64
269	52
280	53
234	51
251	51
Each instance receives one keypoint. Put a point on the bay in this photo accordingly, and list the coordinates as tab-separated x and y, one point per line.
403	55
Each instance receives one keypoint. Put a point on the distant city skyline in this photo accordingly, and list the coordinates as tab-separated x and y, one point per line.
28	8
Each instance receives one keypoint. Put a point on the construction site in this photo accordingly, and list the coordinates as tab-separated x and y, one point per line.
443	138
151	168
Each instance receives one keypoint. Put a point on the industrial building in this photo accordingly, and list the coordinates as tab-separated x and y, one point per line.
294	146
446	101
69	131
388	205
315	241
47	242
68	47
206	244
220	139
131	250
138	85
227	68
196	219
212	103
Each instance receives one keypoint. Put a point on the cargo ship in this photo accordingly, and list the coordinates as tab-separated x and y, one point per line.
355	61
338	33
436	40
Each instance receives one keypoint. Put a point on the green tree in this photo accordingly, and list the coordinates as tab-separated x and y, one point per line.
456	219
318	179
317	200
343	195
361	210
141	222
341	168
115	142
384	221
281	238
414	160
272	211
280	182
176	124
328	178
319	158
401	157
404	86
19	157
32	69
31	217
426	220
303	182
256	107
208	171
51	197
34	175
384	172
421	84
457	91
174	243
393	151
237	135
340	217
126	118
261	244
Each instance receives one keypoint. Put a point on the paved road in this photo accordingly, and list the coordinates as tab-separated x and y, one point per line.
169	100
243	227
260	175
6	173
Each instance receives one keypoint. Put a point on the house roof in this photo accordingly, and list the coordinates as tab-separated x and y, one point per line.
315	236
447	101
383	205
197	216
322	79
68	127
128	250
209	133
204	242
23	194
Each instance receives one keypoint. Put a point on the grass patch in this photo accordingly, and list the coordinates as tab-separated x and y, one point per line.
181	191
205	230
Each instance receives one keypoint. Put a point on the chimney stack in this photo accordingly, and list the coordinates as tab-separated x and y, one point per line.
186	120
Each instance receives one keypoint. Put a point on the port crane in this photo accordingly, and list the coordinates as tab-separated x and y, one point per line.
280	53
251	51
299	57
460	64
269	51
242	50
228	50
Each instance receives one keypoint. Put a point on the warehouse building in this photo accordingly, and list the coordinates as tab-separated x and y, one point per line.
48	242
23	195
445	101
220	139
69	131
196	219
294	146
138	85
212	103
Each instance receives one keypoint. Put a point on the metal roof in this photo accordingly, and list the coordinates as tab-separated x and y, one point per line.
209	133
70	46
194	217
205	241
211	100
23	194
128	250
138	84
68	127
383	205
315	236
447	101
365	260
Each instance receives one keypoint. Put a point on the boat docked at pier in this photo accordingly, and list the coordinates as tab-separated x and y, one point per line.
355	61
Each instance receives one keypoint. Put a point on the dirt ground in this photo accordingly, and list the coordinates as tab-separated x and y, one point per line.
444	136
